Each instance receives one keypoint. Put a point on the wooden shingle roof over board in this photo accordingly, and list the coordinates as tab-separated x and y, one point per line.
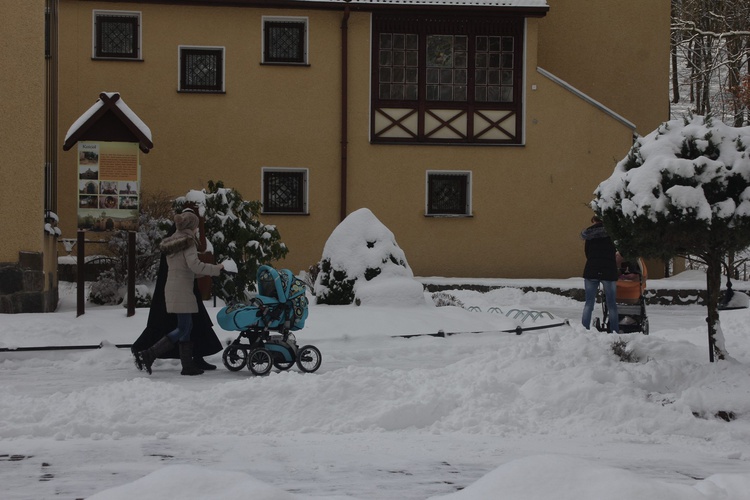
109	120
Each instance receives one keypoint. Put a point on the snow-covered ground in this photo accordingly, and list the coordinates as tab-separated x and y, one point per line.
548	414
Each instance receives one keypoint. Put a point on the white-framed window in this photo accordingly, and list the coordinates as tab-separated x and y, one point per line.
116	35
448	193
201	69
285	190
285	40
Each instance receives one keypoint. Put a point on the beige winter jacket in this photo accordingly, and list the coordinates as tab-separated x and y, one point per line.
183	267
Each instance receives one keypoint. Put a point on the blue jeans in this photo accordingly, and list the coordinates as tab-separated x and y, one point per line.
184	326
610	291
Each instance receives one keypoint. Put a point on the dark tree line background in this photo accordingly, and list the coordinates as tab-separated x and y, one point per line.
710	76
711	59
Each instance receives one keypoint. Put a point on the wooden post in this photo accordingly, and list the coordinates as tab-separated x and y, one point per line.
80	276
131	273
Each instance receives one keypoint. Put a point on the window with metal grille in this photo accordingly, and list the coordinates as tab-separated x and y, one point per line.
201	69
117	35
285	191
448	193
284	40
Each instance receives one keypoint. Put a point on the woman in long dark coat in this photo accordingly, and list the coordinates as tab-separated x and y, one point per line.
160	323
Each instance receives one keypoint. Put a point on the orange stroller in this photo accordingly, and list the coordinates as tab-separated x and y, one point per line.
630	298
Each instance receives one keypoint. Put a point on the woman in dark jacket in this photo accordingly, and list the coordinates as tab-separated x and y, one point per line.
601	267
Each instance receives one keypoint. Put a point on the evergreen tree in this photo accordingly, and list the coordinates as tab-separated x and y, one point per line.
235	232
683	189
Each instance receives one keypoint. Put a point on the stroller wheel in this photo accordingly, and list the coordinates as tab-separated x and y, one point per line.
260	361
308	358
234	358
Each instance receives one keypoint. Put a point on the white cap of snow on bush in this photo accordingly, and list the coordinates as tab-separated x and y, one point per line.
230	266
361	242
639	189
198	198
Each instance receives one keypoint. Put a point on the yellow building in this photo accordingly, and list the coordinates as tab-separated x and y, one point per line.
475	130
28	253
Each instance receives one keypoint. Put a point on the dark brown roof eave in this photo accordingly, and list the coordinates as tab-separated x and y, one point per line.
354	6
109	106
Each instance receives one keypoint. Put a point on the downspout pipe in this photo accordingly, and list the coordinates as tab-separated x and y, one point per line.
344	107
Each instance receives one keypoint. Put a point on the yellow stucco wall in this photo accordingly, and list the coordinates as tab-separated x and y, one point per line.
270	116
625	42
22	136
529	202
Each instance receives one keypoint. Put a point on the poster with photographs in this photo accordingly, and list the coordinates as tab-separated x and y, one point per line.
109	178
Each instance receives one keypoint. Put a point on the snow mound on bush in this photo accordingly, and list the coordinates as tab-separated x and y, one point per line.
362	261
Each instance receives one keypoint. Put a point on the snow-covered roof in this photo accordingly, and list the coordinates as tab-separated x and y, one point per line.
451	3
537	5
109	101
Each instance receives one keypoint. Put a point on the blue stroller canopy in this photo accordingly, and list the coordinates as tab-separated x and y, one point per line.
275	285
281	298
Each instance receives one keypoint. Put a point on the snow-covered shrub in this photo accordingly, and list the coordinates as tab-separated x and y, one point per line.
621	349
234	231
107	289
363	263
442	299
111	285
143	297
333	286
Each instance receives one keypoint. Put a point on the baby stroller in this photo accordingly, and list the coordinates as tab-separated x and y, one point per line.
631	302
280	307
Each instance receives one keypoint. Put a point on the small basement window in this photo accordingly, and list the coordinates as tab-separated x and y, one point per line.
448	193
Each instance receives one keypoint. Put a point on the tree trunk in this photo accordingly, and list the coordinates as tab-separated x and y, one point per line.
693	72
734	50
713	288
707	63
675	69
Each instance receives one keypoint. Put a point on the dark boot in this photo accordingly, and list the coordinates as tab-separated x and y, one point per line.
202	363
145	359
186	358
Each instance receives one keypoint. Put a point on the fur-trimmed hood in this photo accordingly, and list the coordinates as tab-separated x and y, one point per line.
179	241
